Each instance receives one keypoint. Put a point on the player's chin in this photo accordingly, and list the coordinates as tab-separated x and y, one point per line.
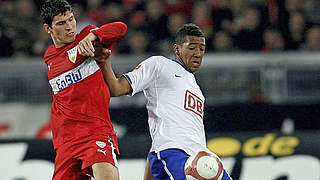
194	68
70	39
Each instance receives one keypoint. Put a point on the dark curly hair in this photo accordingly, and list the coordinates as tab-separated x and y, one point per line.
52	8
189	29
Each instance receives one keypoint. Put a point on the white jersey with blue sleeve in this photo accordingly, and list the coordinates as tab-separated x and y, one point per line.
175	104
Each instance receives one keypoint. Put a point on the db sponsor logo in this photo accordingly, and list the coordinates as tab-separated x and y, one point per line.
193	103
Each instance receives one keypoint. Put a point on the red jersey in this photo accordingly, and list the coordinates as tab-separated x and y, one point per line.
80	107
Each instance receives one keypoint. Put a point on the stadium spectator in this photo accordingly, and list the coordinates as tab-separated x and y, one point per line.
6	9
6	46
272	41
136	21
157	30
21	25
114	12
175	21
82	19
312	11
294	33
312	42
95	10
272	12
157	21
201	15
138	43
132	5
41	43
248	31
222	42
293	5
179	6
229	15
221	14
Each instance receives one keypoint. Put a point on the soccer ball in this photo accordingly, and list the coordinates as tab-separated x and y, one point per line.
203	166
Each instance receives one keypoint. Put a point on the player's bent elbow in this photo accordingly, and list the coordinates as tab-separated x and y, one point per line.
122	28
120	91
114	94
119	87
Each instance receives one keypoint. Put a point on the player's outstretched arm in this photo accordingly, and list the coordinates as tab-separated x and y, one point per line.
109	33
117	86
106	35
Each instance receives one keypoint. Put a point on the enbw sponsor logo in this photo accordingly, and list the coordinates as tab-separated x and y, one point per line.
68	79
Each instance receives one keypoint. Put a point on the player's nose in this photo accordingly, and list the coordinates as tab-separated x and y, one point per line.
68	25
197	52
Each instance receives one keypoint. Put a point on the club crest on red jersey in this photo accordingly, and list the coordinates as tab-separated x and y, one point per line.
72	54
193	103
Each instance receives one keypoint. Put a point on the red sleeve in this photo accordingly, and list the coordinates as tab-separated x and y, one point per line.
88	29
110	33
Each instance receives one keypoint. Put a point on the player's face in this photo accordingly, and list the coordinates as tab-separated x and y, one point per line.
63	29
191	52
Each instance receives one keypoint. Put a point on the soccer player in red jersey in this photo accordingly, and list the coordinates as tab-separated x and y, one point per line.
83	136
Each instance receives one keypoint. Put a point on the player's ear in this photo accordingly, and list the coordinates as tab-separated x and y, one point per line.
176	49
47	28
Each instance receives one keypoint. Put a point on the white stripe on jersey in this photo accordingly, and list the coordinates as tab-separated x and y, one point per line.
75	75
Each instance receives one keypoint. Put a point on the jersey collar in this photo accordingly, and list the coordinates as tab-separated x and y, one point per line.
175	60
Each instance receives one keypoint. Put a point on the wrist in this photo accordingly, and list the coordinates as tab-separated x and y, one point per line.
92	36
103	63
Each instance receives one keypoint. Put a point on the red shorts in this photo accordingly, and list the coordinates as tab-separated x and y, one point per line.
74	160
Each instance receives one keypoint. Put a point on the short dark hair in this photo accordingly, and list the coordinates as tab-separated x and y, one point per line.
189	29
52	8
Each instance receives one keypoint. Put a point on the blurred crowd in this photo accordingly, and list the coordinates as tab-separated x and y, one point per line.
229	25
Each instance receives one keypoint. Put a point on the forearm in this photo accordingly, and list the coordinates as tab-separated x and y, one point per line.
117	86
109	33
106	35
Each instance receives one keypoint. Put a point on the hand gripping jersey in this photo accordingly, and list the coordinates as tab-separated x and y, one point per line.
80	106
174	102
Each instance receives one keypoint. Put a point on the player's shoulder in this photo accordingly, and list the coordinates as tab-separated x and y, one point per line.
88	28
156	62
157	59
50	52
85	31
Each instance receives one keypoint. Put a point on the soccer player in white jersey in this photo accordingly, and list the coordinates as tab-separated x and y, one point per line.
175	102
